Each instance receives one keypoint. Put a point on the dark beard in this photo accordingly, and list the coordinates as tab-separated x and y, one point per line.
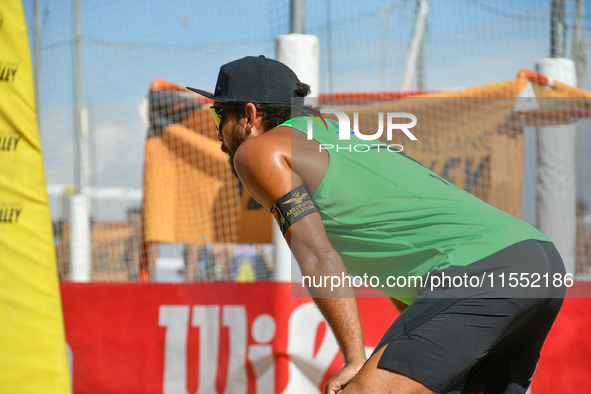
237	138
230	159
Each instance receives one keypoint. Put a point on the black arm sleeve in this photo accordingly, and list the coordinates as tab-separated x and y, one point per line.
292	207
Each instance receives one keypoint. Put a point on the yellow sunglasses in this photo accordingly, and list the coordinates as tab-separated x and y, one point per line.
218	114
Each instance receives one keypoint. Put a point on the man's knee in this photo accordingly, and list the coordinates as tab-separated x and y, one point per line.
385	382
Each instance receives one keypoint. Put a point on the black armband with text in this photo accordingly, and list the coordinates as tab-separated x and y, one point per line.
292	207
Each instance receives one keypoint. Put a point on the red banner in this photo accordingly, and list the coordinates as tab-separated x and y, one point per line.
249	338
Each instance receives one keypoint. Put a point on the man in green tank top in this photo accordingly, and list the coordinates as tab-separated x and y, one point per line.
375	212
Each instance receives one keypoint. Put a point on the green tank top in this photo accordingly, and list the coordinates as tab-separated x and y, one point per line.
387	215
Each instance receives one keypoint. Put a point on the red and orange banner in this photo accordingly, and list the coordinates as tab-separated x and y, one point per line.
251	338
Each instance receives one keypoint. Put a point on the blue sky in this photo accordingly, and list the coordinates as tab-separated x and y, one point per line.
127	44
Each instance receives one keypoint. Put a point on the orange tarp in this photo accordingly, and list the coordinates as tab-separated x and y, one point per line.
190	193
472	137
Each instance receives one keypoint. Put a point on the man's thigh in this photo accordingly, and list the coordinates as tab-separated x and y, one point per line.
437	343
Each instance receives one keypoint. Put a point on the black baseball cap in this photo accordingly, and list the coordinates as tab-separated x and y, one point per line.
254	80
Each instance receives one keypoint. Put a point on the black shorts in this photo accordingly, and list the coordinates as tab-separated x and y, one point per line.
477	345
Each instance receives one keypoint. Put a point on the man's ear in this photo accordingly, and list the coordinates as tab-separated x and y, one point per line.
253	118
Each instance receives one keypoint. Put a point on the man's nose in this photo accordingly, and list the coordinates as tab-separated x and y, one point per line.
220	136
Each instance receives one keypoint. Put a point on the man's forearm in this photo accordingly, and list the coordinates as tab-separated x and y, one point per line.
343	317
317	259
338	305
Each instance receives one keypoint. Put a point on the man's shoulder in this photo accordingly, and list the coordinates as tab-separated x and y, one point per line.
263	165
277	138
259	149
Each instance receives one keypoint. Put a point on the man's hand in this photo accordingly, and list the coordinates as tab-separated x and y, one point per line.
342	378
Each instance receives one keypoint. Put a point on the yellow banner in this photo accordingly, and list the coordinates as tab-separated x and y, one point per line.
32	341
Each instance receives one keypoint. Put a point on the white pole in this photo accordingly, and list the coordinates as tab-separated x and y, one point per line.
414	49
80	259
297	16
78	93
281	256
556	185
301	53
80	256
